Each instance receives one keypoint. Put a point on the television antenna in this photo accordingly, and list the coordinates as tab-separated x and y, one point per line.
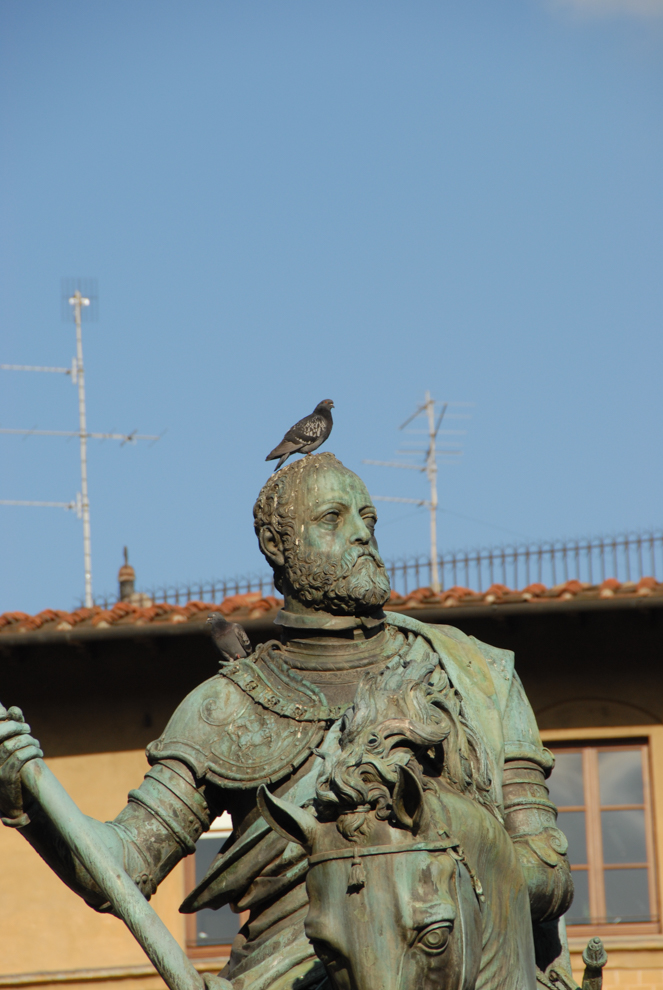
80	296
431	452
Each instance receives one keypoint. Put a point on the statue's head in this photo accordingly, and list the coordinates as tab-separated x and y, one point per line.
315	522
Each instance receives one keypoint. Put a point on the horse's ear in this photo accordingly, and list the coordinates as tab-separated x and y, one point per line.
293	823
408	799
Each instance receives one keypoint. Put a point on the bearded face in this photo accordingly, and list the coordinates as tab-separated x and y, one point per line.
316	525
350	583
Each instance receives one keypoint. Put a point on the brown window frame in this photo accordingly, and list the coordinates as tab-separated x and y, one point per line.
592	808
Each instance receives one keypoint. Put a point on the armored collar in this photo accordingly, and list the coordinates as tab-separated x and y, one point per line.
326	622
268	680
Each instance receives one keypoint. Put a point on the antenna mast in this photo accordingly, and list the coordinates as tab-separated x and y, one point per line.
431	471
78	301
430	468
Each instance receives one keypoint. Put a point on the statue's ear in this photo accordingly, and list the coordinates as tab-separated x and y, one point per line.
293	823
271	546
408	799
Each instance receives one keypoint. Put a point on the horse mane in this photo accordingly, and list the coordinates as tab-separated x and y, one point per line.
410	715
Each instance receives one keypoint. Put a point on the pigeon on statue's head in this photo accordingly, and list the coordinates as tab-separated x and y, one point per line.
306	435
230	638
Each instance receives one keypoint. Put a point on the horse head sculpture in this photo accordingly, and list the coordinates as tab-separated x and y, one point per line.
402	835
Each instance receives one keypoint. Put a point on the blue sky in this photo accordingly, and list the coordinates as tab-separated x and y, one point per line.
289	201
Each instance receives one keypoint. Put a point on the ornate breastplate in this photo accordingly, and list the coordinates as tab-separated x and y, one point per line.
255	722
279	722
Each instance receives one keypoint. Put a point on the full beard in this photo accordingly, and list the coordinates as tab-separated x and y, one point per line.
353	583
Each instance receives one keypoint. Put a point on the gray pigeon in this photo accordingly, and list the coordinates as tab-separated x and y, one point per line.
306	435
230	637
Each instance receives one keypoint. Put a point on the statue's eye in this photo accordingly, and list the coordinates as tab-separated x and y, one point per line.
435	938
373	739
330	517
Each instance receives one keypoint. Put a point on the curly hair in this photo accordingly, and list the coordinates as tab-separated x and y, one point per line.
275	505
400	716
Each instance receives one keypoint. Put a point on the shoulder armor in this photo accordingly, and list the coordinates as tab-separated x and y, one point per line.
231	740
501	661
460	655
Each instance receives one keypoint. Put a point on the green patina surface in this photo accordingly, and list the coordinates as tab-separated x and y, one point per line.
358	730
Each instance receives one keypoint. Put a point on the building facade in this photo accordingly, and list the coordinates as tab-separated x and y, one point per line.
98	685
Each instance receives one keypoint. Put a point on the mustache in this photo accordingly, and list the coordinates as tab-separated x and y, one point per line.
353	555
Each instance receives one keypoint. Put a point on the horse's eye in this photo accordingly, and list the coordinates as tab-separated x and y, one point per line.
373	739
435	938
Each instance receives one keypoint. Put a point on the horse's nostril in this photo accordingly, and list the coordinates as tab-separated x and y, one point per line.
324	952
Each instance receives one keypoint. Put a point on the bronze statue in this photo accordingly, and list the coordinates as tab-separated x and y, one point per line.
395	764
410	778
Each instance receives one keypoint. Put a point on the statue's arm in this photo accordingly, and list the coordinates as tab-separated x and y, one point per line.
160	825
530	815
164	817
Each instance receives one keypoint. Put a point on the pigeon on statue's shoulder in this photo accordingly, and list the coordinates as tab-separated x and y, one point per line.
306	435
230	638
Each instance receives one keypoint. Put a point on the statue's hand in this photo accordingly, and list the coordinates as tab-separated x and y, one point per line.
17	747
545	865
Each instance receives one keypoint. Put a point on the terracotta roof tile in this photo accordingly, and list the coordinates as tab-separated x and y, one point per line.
499	594
13	618
253	605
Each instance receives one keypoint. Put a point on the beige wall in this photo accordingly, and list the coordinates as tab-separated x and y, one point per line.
46	927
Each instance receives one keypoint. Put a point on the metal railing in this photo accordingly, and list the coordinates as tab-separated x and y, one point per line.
627	557
213	591
202	591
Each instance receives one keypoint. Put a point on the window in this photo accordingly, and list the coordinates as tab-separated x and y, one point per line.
602	793
210	933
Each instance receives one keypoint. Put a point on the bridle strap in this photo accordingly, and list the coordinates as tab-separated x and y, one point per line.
360	851
357	853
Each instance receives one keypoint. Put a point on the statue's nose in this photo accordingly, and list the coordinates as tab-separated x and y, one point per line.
360	532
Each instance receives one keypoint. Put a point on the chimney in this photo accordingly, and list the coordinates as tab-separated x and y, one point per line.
127	579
